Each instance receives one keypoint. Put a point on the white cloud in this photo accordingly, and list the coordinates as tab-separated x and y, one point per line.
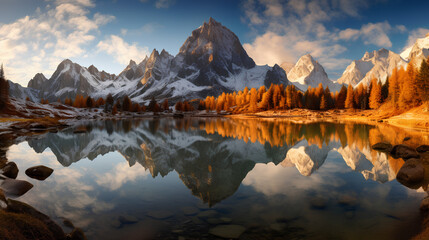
292	28
371	33
414	34
63	30
164	3
121	50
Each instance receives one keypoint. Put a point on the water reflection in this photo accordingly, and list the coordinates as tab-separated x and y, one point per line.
227	164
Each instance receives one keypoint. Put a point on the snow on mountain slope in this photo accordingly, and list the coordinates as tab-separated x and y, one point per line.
307	72
377	64
418	51
19	92
211	61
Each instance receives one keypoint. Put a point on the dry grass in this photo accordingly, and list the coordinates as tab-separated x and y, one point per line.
21	226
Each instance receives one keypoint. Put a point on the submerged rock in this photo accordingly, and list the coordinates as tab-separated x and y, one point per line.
190	210
227	231
404	152
411	172
422	148
10	170
382	146
3	201
15	188
160	214
424	206
39	172
127	219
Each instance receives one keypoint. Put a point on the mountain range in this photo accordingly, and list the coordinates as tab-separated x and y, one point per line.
211	61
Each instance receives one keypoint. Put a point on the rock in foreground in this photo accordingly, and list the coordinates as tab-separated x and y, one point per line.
382	146
412	172
404	152
422	148
39	172
15	188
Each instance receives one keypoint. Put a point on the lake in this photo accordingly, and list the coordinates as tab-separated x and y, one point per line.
204	178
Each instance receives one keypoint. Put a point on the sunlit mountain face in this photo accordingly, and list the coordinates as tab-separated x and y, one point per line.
295	179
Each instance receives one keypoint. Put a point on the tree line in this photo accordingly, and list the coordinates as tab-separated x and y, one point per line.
404	89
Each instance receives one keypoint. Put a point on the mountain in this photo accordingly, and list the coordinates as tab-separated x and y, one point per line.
418	51
307	72
211	61
377	64
19	92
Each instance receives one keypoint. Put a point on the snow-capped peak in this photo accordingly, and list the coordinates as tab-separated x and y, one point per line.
377	64
418	51
308	72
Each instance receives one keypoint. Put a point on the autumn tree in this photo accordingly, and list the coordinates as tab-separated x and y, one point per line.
253	105
100	102
422	81
179	106
375	97
165	105
408	97
394	87
349	99
341	98
323	103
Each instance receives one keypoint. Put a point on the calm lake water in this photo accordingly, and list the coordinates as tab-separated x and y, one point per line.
174	178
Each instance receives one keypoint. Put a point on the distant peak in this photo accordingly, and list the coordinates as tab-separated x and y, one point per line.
67	61
132	63
212	21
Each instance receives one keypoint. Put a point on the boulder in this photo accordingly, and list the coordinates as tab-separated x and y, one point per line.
411	172
423	148
15	188
403	151
39	172
424	206
10	170
382	146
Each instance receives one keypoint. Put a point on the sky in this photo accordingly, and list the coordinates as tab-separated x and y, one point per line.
36	35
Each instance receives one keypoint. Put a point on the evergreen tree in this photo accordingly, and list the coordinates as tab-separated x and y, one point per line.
109	103
341	98
385	90
89	102
126	104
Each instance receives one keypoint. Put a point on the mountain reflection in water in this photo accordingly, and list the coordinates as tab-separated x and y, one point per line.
279	175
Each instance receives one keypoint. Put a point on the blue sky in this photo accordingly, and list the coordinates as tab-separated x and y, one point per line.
35	35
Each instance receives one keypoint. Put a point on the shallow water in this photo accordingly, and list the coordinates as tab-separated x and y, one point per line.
171	178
